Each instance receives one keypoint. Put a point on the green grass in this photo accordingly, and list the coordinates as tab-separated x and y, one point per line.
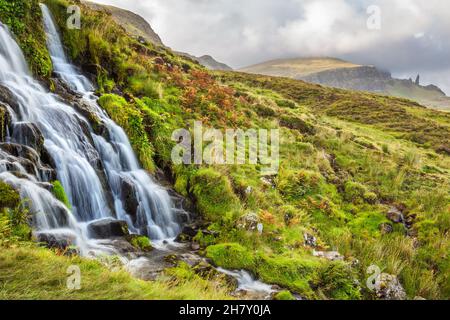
33	273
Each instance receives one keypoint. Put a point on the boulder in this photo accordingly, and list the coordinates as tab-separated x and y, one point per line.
388	287
108	228
7	97
129	197
60	241
28	134
395	215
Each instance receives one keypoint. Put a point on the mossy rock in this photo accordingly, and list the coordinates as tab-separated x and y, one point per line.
284	295
231	256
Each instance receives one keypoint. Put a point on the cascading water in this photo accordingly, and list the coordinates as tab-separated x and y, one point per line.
154	214
82	160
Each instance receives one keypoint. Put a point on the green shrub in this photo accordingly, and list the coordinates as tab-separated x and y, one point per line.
337	281
284	295
9	198
231	256
60	194
298	184
354	192
214	195
141	242
130	119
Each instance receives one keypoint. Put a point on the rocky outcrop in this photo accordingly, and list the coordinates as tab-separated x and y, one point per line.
107	229
60	241
388	287
364	78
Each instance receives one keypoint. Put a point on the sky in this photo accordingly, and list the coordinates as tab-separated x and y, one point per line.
405	37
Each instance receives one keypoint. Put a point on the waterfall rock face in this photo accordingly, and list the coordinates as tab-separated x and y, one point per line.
45	138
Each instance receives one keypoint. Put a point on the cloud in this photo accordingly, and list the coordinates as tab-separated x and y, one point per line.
413	36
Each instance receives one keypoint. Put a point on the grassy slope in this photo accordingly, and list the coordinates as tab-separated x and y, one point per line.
345	158
27	272
296	68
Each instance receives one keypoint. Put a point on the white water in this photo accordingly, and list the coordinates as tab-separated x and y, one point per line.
247	283
155	214
80	157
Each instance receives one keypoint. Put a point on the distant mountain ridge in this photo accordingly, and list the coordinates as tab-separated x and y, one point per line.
346	75
207	61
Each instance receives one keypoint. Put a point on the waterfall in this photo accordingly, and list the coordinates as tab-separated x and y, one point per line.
155	214
97	173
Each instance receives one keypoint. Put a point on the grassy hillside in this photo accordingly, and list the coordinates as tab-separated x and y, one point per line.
297	68
346	159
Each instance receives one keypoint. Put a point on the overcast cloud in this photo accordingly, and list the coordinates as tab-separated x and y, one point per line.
414	35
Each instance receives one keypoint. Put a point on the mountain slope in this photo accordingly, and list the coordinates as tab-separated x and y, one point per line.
133	23
207	61
341	74
137	26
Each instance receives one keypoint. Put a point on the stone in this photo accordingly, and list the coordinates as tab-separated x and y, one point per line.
388	287
386	228
28	134
129	197
249	222
7	97
395	215
195	246
60	241
310	240
108	228
329	255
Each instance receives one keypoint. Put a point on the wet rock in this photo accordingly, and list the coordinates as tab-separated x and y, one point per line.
60	241
310	240
195	246
92	68
28	134
61	88
5	121
395	215
145	269
386	228
329	255
108	228
249	222
388	287
190	231
7	97
129	197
